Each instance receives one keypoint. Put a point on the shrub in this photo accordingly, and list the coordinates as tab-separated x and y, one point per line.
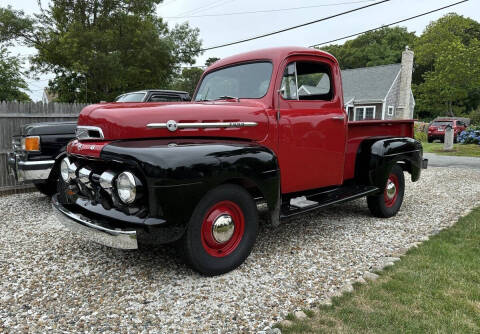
470	136
421	136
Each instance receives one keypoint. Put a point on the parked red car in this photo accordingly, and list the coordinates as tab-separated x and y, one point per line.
436	130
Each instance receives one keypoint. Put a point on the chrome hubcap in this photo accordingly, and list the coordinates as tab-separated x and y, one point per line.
223	228
391	189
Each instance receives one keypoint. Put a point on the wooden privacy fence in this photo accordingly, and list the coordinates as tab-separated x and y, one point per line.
14	115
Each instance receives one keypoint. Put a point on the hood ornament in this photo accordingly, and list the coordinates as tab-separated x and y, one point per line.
172	125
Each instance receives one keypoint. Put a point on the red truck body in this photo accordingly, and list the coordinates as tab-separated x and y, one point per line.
305	134
190	171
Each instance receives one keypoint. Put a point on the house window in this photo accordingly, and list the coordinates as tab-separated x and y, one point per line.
350	113
362	113
391	110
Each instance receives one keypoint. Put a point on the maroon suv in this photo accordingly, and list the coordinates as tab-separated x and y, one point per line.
436	130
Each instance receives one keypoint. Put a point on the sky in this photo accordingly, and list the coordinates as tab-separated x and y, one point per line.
218	28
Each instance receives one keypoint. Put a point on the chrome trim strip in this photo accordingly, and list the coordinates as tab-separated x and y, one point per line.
88	128
202	125
87	229
36	163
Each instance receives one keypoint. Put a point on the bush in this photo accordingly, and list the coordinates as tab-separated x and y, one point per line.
420	136
470	136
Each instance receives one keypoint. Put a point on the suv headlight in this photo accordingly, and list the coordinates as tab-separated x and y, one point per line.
126	187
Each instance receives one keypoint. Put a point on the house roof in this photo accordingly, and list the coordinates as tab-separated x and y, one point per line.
369	83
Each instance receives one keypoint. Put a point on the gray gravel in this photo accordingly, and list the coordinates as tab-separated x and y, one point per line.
53	281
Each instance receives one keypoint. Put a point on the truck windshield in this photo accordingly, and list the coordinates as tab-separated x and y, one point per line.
249	81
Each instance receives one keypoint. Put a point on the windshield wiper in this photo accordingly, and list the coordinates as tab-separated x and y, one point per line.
227	97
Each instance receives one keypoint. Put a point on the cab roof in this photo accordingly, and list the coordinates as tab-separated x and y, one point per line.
276	55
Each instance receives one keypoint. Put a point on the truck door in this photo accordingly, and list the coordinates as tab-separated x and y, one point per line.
312	124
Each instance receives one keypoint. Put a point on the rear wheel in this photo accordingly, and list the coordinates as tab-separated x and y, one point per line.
222	230
430	140
388	203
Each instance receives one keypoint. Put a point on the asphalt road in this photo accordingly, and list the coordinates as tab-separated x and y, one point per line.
436	160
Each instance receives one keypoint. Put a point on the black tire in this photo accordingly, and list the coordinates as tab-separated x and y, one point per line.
47	188
194	245
430	140
381	205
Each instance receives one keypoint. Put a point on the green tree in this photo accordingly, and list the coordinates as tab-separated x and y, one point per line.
11	79
380	47
100	49
447	67
211	60
188	79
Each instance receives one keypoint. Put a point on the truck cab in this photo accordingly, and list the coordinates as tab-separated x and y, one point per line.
265	125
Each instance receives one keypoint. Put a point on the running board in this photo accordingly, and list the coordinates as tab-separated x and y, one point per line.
323	199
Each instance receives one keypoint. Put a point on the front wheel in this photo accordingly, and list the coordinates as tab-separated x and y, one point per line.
47	188
222	230
388	203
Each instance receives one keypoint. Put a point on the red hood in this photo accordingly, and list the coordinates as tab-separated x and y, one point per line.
129	120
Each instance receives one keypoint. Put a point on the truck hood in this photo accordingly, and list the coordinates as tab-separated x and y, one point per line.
135	120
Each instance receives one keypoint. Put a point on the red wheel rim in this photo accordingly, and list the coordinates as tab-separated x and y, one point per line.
219	239
391	190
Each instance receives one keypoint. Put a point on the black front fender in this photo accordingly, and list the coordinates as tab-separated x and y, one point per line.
376	157
179	173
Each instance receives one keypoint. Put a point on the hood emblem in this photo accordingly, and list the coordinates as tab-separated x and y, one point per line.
173	126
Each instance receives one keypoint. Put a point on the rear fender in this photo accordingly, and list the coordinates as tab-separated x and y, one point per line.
376	157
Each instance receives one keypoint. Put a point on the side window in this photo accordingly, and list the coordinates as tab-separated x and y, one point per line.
164	98
307	81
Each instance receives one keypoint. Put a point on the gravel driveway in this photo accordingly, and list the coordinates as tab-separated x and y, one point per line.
53	281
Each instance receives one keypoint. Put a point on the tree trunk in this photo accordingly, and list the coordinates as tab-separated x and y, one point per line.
450	109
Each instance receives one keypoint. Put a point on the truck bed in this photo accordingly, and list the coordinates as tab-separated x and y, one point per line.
359	130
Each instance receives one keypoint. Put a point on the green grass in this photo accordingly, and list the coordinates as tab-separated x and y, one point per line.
434	289
468	150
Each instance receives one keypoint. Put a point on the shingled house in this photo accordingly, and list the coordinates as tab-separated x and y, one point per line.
377	92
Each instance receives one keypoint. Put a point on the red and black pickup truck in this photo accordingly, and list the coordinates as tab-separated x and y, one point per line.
193	173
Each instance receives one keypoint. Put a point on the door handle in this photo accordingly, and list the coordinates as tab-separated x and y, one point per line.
340	118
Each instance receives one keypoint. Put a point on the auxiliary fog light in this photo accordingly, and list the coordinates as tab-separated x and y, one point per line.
126	187
67	170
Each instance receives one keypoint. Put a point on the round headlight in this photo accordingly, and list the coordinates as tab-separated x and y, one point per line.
64	170
67	170
126	187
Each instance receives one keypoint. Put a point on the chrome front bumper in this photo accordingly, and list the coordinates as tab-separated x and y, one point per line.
29	170
94	231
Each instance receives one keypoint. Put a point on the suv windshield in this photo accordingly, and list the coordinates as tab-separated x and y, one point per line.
249	81
132	97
